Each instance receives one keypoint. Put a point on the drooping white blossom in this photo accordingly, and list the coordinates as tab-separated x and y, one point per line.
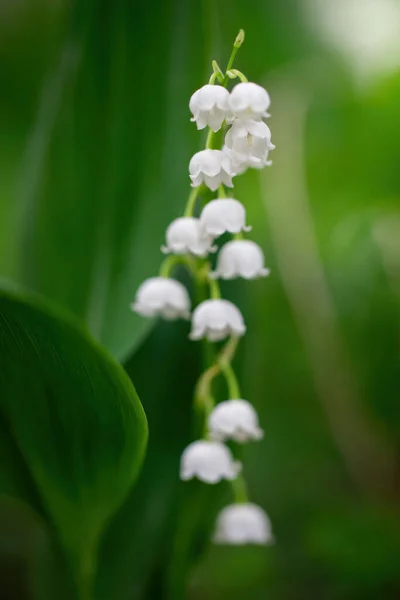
209	106
208	461
223	215
159	296
240	524
234	420
211	167
215	320
240	258
238	165
249	100
249	143
185	235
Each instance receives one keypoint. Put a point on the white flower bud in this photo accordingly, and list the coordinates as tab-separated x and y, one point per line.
215	320
209	106
208	461
240	258
159	296
240	524
249	143
223	215
249	100
211	167
185	236
234	420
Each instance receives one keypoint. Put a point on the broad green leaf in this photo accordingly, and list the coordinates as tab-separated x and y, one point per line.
75	429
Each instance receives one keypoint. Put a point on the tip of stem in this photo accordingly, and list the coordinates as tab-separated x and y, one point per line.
216	67
239	39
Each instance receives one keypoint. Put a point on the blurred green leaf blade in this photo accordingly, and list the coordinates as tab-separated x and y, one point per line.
107	183
76	422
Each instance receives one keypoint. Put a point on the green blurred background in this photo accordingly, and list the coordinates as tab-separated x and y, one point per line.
95	141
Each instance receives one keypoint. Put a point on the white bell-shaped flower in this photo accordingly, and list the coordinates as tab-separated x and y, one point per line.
234	420
240	258
223	215
238	165
159	296
249	100
209	106
249	142
240	524
211	167
215	320
185	236
209	462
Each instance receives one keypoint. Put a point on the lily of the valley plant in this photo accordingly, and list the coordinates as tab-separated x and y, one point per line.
238	138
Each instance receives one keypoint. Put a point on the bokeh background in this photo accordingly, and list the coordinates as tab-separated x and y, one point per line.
95	141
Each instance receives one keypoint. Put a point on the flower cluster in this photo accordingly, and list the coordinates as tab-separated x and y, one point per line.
247	141
190	240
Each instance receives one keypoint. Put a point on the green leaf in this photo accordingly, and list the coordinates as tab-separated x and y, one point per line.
75	429
107	182
137	543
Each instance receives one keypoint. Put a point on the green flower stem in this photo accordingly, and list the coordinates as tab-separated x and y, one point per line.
169	263
221	192
238	42
207	406
191	264
238	236
240	489
210	139
215	292
203	400
231	380
203	386
216	75
233	73
191	202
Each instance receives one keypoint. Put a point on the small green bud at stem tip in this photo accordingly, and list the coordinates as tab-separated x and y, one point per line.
216	67
239	39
